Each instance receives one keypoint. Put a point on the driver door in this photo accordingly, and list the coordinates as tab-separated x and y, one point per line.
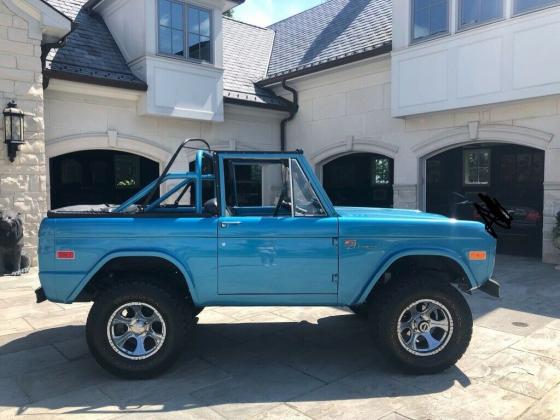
275	237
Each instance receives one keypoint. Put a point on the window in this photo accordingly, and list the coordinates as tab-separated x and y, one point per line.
171	28
429	18
476	12
268	189
306	203
522	6
178	24
381	168
199	34
476	167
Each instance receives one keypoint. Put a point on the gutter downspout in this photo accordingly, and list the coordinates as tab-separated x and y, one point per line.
294	108
46	48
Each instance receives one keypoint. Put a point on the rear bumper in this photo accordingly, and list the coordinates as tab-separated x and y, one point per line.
40	295
491	287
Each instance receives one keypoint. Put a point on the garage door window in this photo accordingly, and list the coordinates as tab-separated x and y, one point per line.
476	167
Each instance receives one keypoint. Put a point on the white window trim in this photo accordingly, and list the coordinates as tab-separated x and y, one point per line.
462	28
185	56
414	41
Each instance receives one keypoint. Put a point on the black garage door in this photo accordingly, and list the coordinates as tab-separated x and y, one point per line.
360	179
513	174
98	177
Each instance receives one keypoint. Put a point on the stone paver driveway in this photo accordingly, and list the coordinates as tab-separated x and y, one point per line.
291	362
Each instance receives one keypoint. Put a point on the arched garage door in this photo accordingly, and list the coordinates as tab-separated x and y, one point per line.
360	180
511	173
98	177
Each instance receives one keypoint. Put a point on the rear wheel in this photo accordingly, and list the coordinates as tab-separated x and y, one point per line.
423	325
360	310
136	330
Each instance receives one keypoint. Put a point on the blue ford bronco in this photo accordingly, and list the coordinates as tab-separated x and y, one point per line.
257	228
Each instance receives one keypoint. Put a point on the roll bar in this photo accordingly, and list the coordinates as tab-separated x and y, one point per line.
198	190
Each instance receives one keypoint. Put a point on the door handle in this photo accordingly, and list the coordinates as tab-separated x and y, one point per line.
224	225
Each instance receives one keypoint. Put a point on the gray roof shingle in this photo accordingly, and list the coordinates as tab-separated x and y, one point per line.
329	32
247	49
90	53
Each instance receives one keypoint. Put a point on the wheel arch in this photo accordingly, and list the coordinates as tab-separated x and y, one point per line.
425	256
141	256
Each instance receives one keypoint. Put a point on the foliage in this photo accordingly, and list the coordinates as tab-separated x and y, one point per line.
556	231
228	13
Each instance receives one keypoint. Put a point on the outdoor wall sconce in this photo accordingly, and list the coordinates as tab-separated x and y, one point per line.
13	129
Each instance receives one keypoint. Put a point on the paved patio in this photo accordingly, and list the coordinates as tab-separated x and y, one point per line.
290	362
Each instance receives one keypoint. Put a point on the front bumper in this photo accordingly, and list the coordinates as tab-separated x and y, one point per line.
491	287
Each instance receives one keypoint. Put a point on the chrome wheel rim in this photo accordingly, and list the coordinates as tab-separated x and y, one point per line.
425	327
136	330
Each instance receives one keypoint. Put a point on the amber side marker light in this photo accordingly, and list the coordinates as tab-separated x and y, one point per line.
477	255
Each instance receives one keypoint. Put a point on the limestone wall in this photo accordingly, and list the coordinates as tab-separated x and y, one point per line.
23	182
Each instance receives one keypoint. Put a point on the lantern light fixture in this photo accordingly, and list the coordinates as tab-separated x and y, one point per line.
13	129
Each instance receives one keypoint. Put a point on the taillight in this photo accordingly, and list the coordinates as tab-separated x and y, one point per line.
65	255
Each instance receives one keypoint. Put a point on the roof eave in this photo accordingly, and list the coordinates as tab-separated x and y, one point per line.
123	84
382	49
253	104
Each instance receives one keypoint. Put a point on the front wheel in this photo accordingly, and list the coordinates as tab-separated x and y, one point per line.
136	330
423	325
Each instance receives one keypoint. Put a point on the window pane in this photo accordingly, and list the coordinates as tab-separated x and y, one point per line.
165	40
178	42
306	202
164	13
490	9
382	168
479	11
204	23
525	5
470	10
194	46
476	167
438	19
205	50
421	23
193	25
177	16
421	4
258	189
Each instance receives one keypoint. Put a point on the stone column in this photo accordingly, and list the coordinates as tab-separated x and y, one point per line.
23	182
405	196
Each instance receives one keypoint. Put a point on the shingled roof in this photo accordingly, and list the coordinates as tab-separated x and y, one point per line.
90	54
332	33
329	33
247	49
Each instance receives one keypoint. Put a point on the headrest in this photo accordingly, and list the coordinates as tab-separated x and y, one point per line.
211	207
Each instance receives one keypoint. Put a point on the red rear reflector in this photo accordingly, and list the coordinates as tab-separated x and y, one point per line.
65	255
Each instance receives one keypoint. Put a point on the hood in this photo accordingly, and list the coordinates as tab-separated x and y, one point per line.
359	212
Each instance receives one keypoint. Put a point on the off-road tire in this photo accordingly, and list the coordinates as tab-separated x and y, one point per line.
176	311
387	306
360	310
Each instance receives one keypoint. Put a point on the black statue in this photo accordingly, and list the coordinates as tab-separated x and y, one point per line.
12	261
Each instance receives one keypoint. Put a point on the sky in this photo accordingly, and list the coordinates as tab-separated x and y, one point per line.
265	12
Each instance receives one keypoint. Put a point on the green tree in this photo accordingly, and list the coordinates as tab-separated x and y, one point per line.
229	13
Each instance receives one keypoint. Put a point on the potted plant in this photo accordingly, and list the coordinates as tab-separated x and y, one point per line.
556	231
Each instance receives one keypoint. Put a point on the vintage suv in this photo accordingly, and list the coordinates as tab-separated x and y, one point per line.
256	228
